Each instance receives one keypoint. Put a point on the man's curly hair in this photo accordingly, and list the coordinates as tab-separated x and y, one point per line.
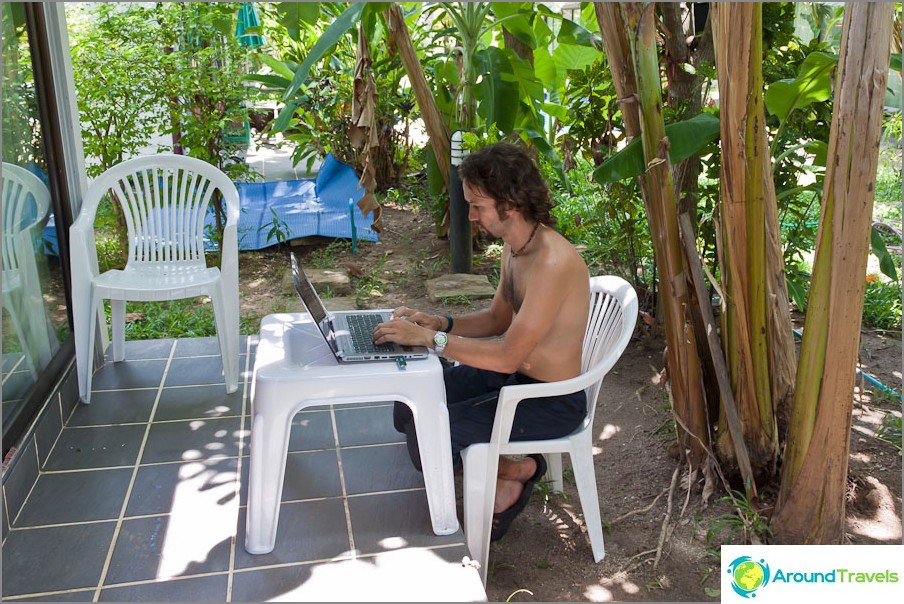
509	175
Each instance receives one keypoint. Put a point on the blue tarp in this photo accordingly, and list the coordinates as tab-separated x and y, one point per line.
311	206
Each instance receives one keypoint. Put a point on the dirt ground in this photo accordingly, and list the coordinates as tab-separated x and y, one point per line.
661	542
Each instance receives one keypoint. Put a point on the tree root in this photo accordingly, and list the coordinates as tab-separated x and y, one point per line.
664	532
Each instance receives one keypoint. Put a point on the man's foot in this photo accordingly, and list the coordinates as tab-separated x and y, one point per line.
502	520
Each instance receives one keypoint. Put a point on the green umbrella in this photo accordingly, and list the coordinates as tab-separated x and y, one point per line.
247	19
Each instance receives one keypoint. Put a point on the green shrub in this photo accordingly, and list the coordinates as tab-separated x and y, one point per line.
882	305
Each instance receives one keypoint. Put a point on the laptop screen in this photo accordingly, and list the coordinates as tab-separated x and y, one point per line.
309	296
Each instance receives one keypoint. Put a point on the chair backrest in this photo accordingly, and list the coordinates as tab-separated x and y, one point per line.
613	315
164	199
26	203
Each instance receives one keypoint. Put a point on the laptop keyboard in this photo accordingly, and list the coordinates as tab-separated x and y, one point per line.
361	330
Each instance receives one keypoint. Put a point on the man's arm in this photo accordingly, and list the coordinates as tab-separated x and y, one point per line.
544	297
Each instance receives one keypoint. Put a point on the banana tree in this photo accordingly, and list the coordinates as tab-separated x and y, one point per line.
811	501
756	323
683	362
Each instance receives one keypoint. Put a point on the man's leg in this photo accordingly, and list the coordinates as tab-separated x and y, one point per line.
512	476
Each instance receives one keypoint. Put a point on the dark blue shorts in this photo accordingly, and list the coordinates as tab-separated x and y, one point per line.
471	396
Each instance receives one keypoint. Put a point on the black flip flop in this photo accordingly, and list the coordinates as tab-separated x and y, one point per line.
503	520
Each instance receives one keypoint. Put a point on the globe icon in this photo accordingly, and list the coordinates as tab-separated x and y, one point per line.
748	575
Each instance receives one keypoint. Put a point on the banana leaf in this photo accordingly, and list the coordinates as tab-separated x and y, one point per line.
686	138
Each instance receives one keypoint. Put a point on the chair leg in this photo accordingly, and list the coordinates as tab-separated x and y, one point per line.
84	318
585	477
228	337
118	323
554	472
479	482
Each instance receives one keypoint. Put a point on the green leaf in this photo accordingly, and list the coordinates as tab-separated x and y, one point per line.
811	85
516	22
820	151
569	56
895	62
572	33
498	90
293	13
348	19
546	150
545	67
273	81
797	293
276	66
686	139
285	116
886	262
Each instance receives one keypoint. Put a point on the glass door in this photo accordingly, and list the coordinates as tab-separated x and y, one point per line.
34	313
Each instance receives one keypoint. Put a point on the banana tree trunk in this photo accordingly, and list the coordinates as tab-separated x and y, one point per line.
437	130
684	371
811	502
756	324
614	32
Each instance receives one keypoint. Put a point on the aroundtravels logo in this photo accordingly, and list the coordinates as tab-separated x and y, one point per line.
748	575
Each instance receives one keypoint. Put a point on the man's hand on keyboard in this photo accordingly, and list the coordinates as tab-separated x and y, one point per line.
403	331
423	319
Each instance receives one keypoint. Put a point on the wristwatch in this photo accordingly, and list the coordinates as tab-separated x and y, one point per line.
440	339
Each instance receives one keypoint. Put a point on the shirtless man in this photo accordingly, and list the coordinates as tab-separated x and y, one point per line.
532	332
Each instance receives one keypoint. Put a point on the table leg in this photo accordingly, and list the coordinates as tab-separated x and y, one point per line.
432	425
269	447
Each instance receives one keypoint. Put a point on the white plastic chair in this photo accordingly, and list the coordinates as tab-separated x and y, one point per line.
26	206
165	199
613	313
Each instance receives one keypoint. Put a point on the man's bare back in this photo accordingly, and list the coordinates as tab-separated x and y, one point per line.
557	356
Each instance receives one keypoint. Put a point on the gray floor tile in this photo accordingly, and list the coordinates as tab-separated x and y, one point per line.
76	497
198	402
85	595
275	584
96	447
115	407
19	478
48	429
192	440
196	347
312	429
144	349
311	475
163	547
128	374
196	371
5	525
55	558
366	425
170	488
387	521
197	589
308	530
379	468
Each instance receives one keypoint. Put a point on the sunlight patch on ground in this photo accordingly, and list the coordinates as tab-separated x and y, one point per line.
413	575
203	516
884	525
609	431
607	588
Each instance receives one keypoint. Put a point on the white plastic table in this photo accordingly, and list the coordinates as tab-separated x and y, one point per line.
294	369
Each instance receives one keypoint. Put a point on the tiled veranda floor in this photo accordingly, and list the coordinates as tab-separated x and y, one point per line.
143	497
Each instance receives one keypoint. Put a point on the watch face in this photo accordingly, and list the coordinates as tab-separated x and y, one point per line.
440	338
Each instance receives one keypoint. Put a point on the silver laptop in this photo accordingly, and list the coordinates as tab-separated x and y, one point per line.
350	334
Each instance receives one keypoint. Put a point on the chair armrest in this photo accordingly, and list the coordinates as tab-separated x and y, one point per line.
511	396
